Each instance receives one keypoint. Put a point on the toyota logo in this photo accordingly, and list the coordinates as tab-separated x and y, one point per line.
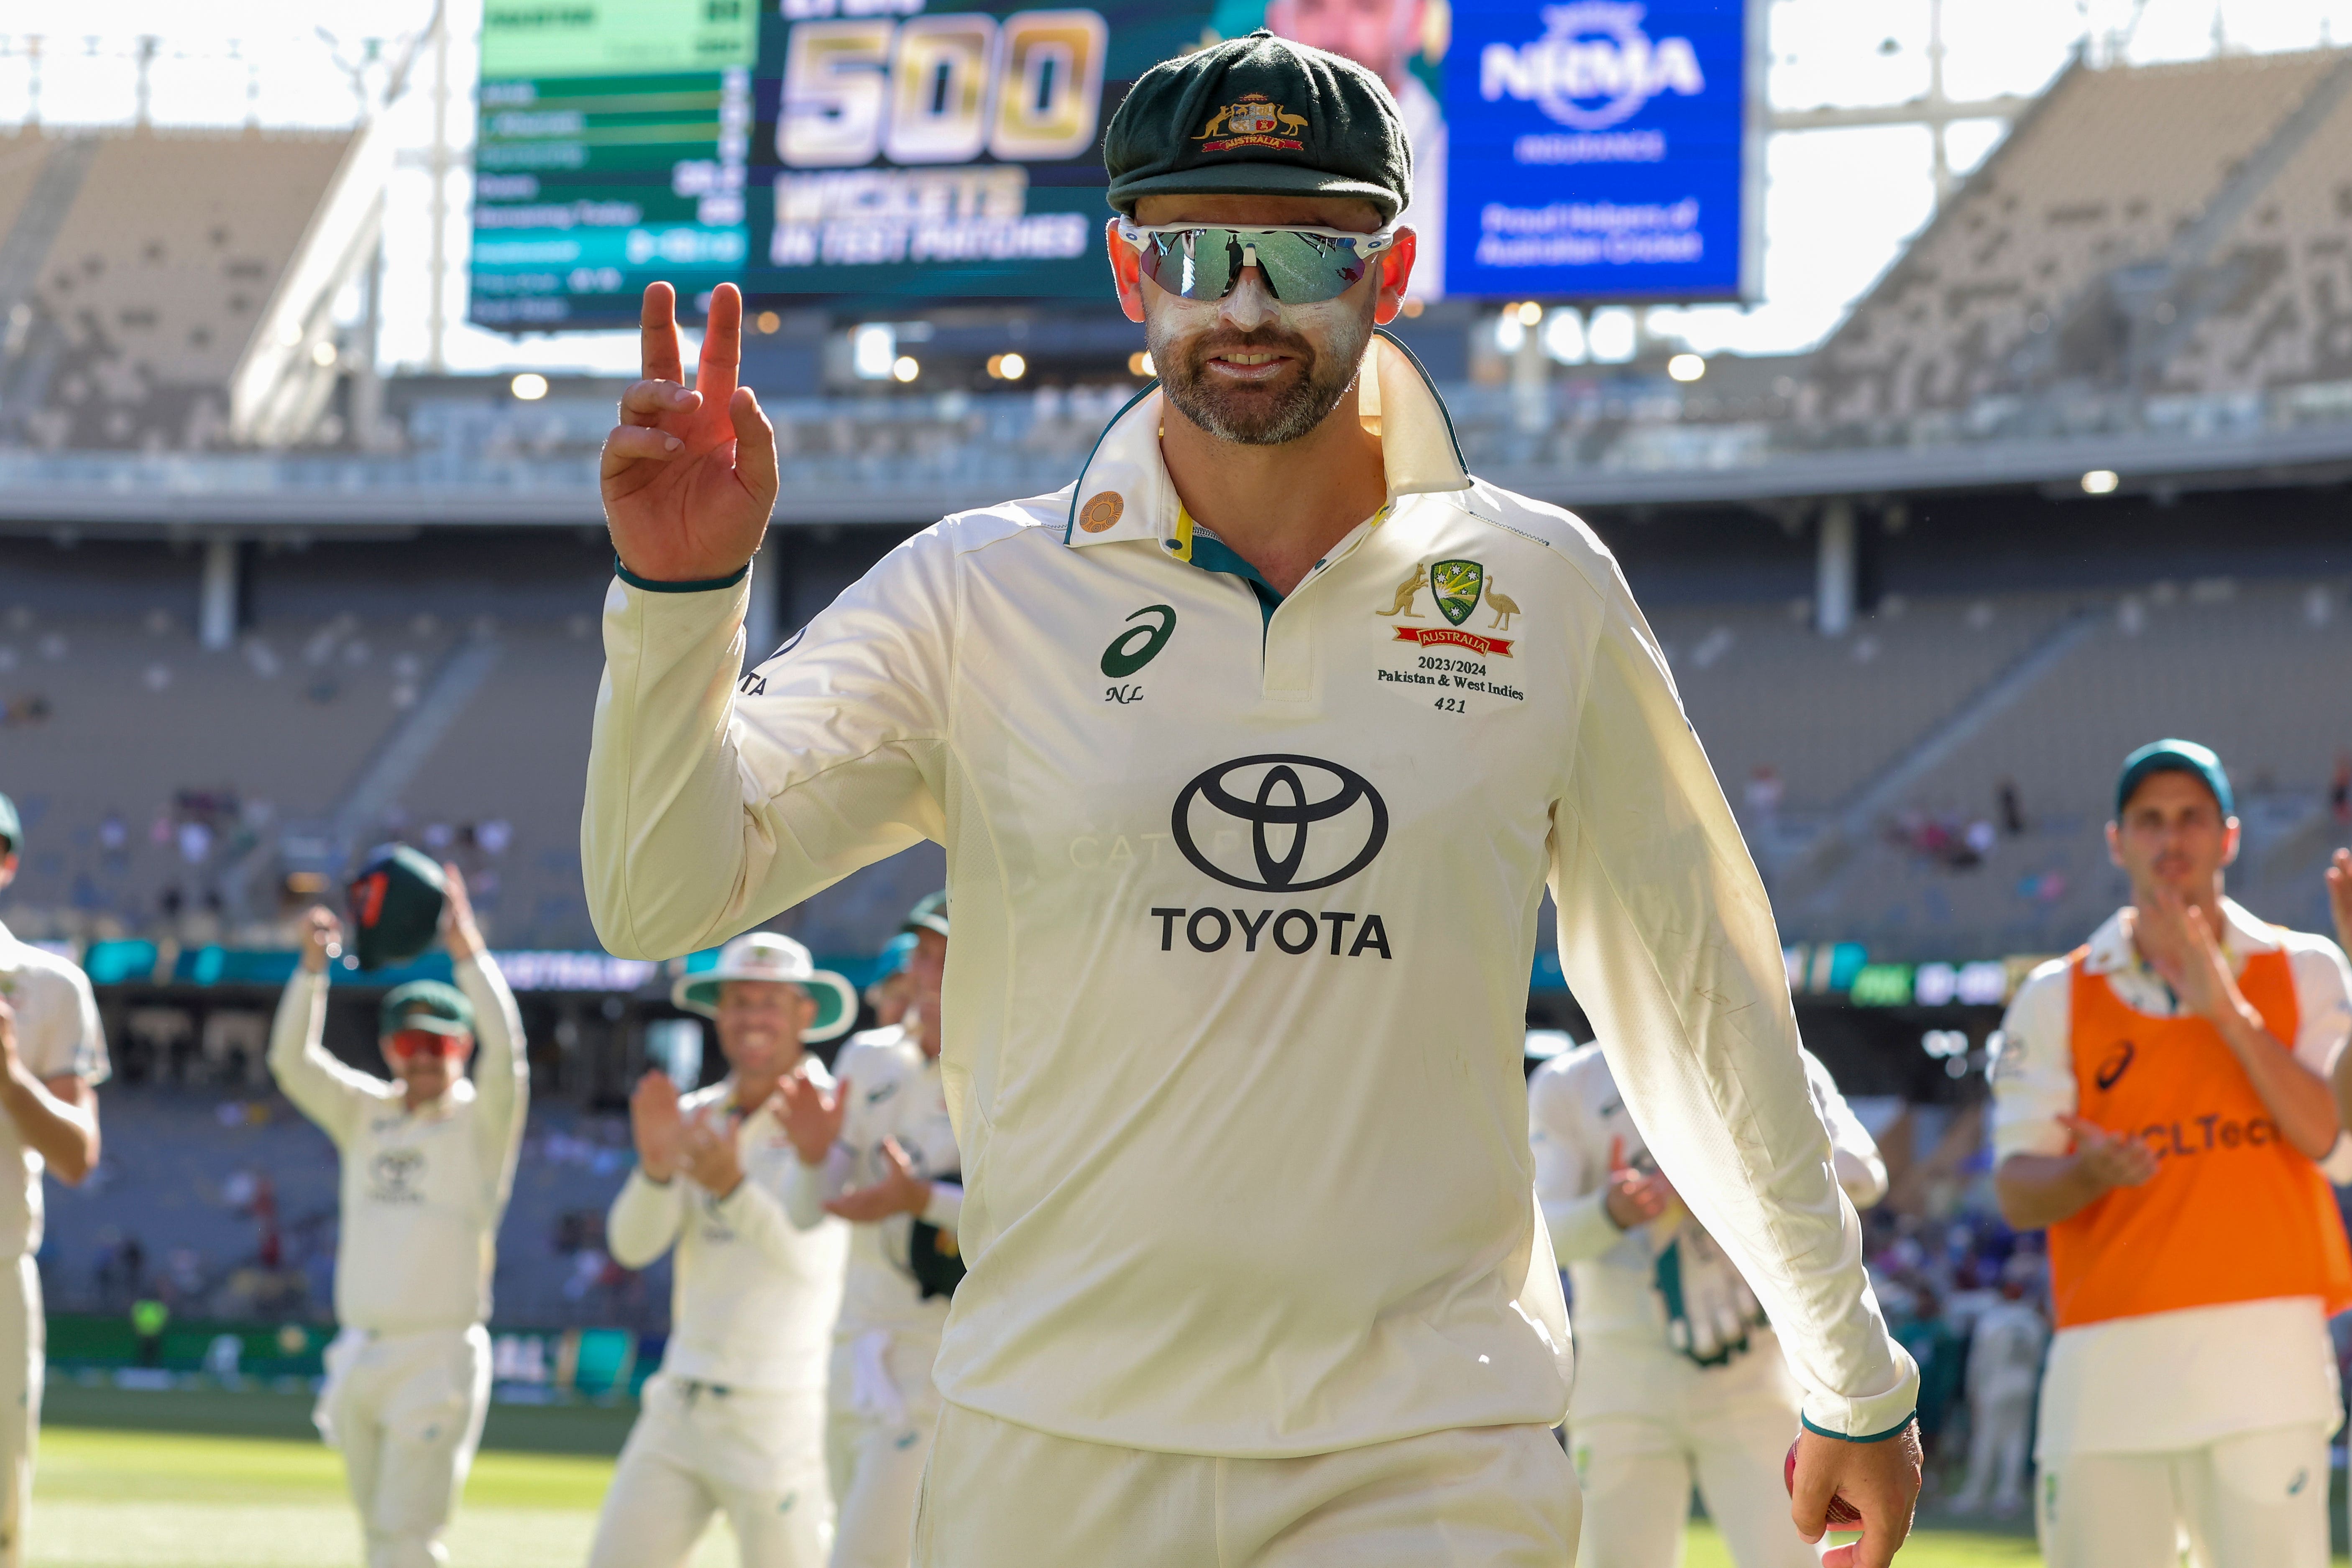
1286	803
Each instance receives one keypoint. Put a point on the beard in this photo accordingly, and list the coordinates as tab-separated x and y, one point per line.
1252	415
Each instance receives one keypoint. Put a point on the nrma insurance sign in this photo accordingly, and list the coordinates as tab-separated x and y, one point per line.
1602	149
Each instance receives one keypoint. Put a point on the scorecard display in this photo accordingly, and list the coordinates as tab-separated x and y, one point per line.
611	149
857	152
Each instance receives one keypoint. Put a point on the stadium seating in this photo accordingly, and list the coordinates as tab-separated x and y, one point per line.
158	278
2006	292
184	1168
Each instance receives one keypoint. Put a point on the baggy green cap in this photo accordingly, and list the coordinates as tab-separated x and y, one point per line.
11	828
427	1005
1259	116
2175	757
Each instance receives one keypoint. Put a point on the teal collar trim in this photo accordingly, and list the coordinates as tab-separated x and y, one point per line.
1213	554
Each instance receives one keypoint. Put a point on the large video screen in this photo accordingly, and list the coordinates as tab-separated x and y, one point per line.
869	151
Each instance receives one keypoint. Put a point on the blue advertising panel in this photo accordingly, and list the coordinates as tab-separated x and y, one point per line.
1601	149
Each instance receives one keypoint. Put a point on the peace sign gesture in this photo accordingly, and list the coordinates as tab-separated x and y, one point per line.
689	474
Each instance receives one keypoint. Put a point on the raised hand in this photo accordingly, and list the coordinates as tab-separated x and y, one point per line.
458	927
1632	1197
657	1127
811	1117
323	938
689	474
2180	944
899	1191
708	1155
2109	1160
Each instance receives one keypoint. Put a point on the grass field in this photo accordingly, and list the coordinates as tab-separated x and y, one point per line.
115	1499
121	1498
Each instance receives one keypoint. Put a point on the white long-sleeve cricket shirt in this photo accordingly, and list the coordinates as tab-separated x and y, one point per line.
752	1296
1245	900
1576	1120
422	1191
58	1036
896	1092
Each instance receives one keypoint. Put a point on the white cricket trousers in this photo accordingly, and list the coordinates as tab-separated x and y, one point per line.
2255	1500
1002	1496
406	1411
877	1440
1998	1426
24	1358
698	1450
1645	1422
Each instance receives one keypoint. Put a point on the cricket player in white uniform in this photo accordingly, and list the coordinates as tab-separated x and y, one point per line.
1679	1377
52	1059
428	1161
1252	752
879	1150
2004	1369
734	1422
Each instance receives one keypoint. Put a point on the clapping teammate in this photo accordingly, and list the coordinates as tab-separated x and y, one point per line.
428	1163
2160	1104
52	1059
734	1421
1679	1377
879	1151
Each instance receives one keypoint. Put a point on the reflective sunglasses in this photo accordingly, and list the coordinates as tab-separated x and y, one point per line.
410	1043
1302	265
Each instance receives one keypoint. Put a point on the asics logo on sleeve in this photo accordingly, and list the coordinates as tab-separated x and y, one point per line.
1290	806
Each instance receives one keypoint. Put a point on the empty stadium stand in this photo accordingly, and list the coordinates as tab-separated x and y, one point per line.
175	286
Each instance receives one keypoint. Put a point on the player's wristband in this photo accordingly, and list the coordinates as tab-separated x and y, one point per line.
704	586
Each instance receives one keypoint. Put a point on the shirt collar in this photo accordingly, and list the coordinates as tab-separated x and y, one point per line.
2111	950
1124	492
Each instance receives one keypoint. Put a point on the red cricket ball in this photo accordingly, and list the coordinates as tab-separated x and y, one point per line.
1843	1514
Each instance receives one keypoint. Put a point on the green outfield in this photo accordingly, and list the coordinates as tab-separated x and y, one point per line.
116	1497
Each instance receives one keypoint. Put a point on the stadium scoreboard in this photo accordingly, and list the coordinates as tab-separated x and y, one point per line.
863	152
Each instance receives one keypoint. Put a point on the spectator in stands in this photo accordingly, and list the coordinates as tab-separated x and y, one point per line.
2187	1383
427	1165
2012	808
2339	788
52	1059
1764	794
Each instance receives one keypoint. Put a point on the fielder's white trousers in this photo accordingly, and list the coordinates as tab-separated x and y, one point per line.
2255	1499
1998	1426
24	1356
883	1409
757	1457
1002	1496
406	1411
1646	1423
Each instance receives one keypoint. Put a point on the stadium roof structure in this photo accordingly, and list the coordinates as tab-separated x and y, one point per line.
173	290
2152	276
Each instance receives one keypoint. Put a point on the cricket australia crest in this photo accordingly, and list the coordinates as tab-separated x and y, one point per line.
1254	122
1457	585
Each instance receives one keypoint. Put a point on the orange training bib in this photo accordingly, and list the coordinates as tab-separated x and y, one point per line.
2234	1213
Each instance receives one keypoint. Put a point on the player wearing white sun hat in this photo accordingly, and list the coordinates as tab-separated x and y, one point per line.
734	1422
880	1152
